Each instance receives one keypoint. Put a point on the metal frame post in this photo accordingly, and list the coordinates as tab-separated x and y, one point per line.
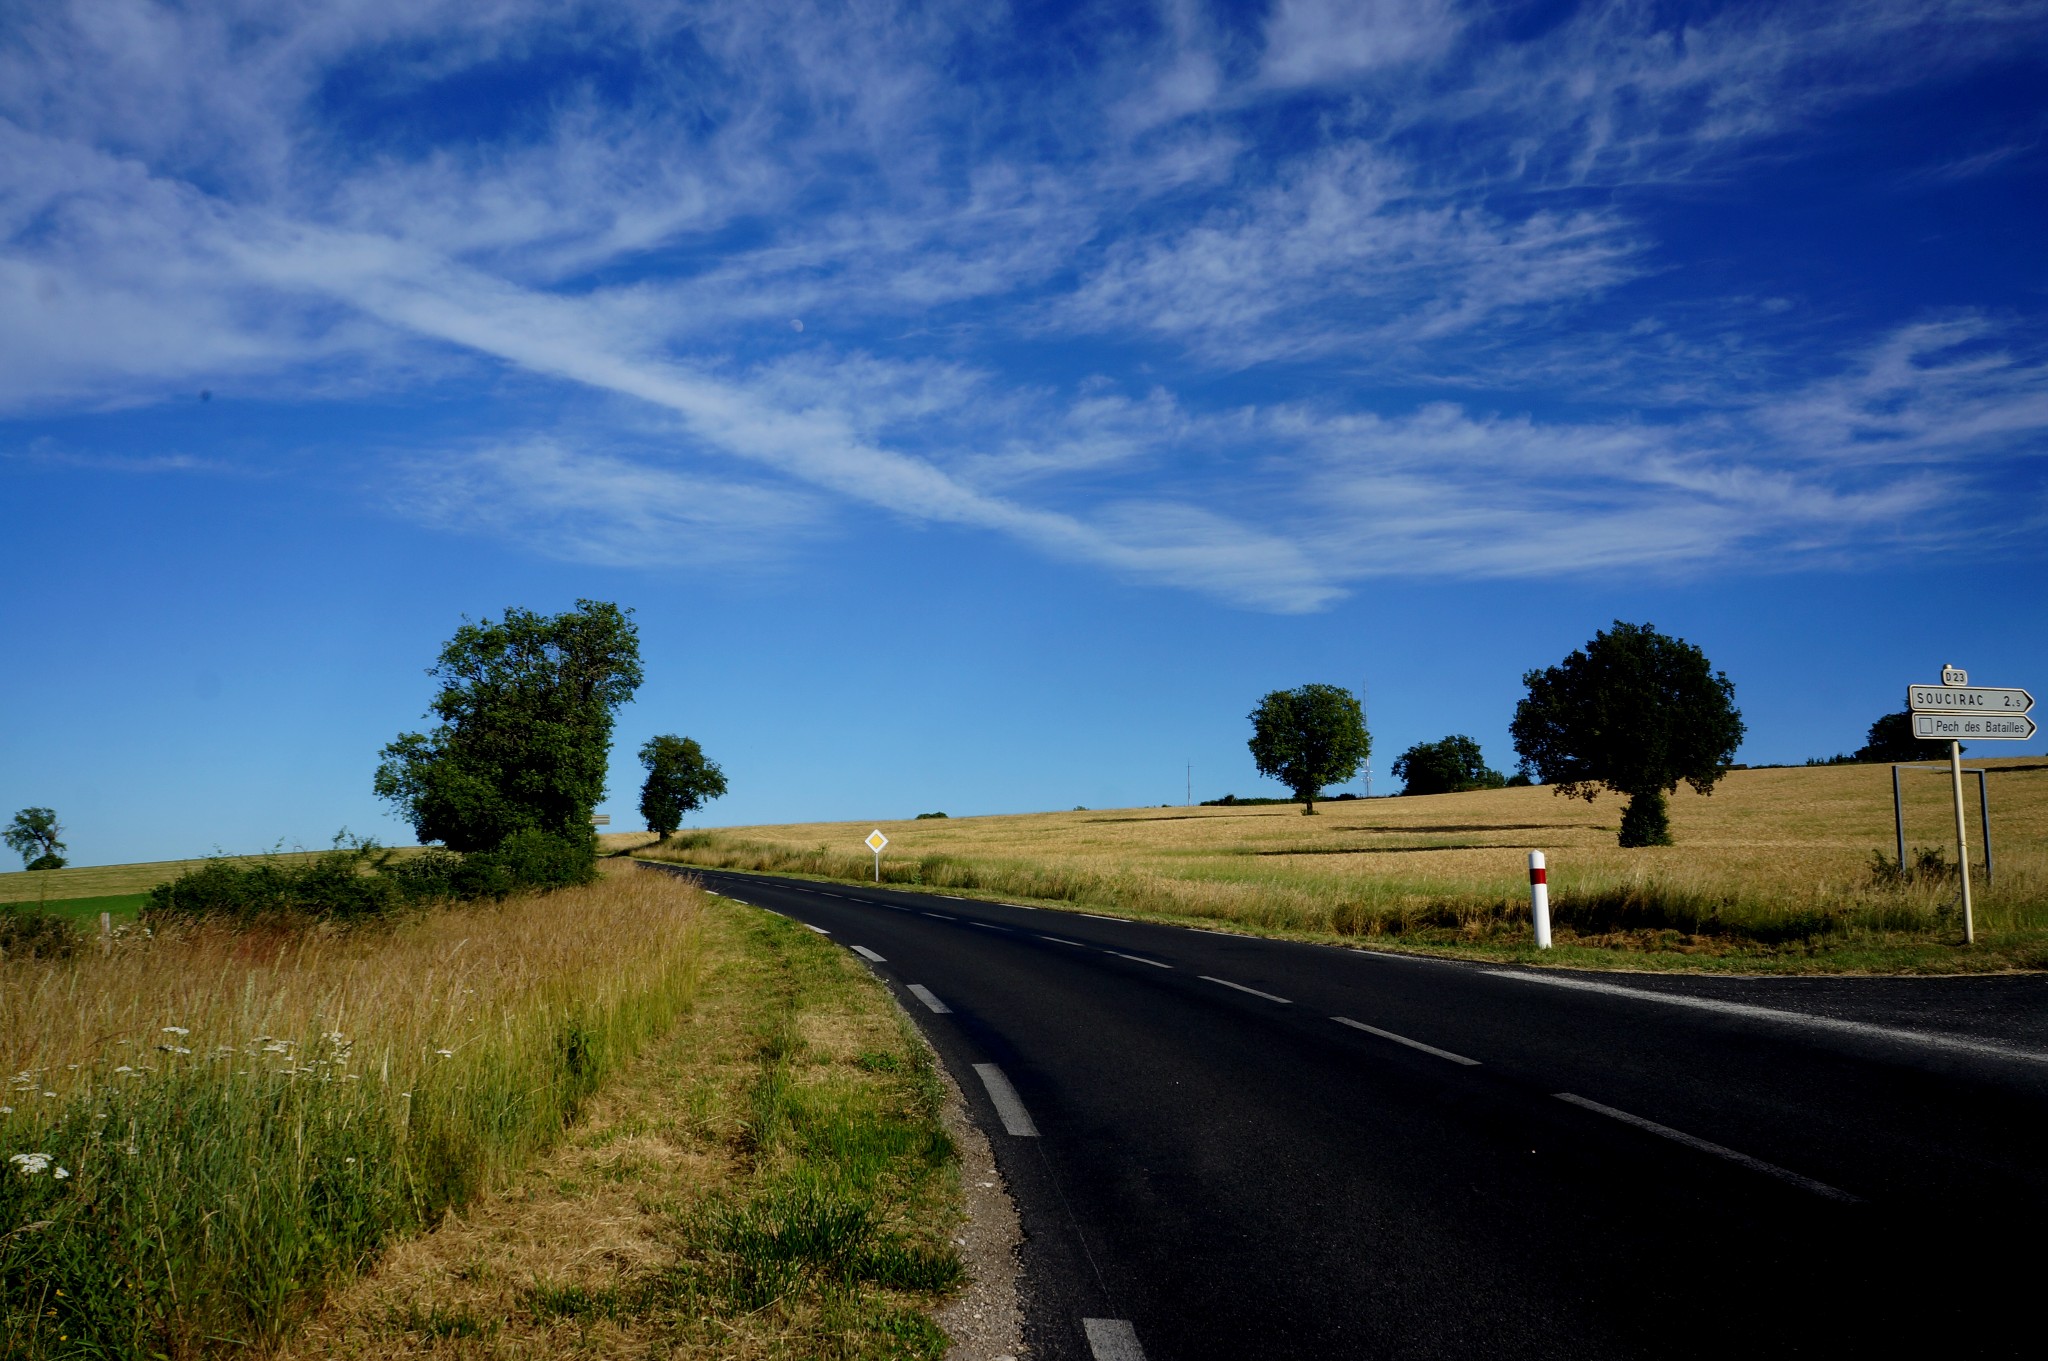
1955	769
1899	818
1984	821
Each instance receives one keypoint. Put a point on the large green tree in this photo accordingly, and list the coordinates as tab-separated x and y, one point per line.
526	705
1635	712
1891	739
1447	767
34	834
1309	738
680	779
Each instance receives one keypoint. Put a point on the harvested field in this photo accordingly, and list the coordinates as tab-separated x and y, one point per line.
1777	869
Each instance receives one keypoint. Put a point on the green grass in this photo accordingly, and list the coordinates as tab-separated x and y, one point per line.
217	1178
85	912
103	881
770	1180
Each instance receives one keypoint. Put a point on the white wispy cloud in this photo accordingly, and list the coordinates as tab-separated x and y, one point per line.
1017	288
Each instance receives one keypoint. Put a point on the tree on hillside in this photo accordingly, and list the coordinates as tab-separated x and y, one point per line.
526	706
1447	767
1309	738
1635	712
680	779
34	836
1891	739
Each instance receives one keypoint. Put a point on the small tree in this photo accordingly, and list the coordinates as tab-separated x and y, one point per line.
680	779
526	707
1309	738
1635	712
1891	739
34	836
1447	767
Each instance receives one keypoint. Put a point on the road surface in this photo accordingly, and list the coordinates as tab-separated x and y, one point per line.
1227	1147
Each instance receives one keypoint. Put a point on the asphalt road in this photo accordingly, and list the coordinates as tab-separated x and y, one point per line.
1229	1147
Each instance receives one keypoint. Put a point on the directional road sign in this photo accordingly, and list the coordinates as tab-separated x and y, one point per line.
876	841
1973	727
1967	699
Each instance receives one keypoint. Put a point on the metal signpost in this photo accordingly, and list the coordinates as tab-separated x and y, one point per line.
875	843
1950	712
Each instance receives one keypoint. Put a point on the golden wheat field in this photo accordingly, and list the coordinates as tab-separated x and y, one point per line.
1776	864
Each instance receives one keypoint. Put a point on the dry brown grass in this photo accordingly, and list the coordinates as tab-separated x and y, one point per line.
601	1249
1775	867
451	979
245	1116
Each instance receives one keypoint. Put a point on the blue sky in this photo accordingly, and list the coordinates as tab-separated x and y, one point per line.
982	407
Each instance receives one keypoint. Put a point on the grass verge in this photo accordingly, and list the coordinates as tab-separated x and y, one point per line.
1778	871
206	1128
769	1180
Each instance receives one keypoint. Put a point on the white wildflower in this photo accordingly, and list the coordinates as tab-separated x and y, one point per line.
278	1047
31	1164
445	1053
124	1068
176	1030
6	1110
62	1173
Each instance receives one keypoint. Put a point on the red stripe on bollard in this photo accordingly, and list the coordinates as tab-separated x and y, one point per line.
1538	875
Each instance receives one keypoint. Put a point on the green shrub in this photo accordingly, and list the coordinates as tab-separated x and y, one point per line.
360	881
31	933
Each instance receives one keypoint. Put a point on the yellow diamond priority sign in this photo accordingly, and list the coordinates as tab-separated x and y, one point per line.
876	841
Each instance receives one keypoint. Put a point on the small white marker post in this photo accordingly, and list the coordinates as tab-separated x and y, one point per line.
875	843
1539	898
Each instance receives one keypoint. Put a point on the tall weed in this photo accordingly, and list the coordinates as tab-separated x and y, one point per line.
207	1126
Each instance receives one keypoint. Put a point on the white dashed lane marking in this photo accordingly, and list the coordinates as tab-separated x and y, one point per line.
1112	1339
865	953
1062	940
940	916
1242	988
1403	1039
1009	1106
926	996
1140	959
1819	1188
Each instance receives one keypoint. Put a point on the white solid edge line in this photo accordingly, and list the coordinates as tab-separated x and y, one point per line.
819	929
930	999
1140	959
1242	988
1864	1028
1819	1188
1112	1339
865	953
1009	1106
1099	917
1403	1039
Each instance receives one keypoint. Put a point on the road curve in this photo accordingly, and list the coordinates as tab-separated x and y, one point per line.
1229	1147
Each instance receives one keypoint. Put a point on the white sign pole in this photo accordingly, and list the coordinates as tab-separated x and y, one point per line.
876	841
1539	898
1955	770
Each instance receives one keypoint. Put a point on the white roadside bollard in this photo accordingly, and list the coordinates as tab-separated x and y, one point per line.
1539	899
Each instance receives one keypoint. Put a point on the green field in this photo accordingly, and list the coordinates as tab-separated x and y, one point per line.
102	886
1774	871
